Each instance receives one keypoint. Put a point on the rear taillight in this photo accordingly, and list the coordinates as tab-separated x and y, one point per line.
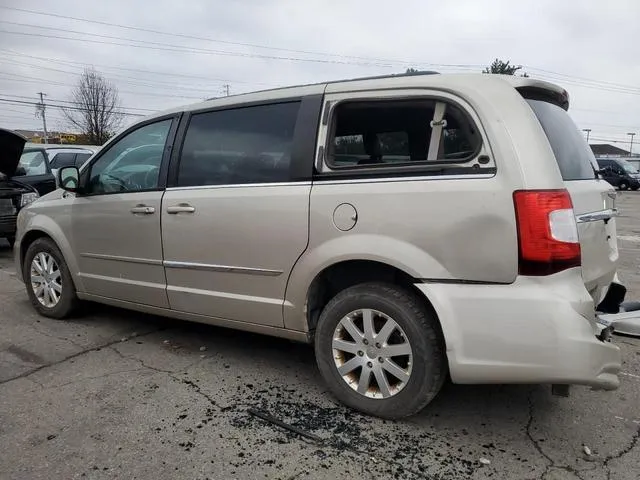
547	232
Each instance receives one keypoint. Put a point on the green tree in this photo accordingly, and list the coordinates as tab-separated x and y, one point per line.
503	68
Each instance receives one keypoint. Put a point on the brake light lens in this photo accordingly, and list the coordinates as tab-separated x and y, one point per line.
547	232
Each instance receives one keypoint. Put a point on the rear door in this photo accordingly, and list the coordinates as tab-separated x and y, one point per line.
593	198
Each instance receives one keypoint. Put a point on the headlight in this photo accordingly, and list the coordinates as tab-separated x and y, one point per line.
27	198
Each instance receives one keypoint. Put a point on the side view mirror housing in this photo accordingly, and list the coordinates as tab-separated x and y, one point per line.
69	179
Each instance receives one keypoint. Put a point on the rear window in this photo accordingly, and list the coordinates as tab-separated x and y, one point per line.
573	154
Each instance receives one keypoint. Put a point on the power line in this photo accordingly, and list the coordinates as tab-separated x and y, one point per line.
181	49
64	107
194	37
138	70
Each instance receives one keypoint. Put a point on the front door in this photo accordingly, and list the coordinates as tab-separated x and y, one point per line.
116	220
235	223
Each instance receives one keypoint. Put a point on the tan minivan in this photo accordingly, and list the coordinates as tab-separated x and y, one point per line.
412	227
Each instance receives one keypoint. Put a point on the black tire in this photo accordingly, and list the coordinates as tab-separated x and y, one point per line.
68	300
421	328
623	185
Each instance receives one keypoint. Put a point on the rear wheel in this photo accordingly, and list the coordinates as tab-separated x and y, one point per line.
49	283
380	350
623	185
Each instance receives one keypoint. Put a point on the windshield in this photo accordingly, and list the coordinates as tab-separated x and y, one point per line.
33	163
627	166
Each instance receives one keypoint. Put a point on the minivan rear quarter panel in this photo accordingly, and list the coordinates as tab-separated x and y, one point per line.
458	228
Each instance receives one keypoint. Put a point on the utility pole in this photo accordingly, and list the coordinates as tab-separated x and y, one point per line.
588	130
631	146
41	107
226	88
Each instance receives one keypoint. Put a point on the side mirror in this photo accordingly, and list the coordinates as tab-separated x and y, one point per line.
69	179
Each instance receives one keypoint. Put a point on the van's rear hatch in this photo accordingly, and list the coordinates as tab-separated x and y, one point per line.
593	198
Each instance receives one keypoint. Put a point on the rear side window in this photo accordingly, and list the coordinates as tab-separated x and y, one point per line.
63	159
239	146
400	133
573	154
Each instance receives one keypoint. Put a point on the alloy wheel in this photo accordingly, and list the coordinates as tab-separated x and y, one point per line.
372	353
46	279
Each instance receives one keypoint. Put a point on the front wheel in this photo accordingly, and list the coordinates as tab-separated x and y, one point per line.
380	350
623	185
49	283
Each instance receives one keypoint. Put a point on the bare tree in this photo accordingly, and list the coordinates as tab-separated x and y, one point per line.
95	107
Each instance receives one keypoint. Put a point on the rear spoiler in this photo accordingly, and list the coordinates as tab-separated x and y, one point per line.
559	97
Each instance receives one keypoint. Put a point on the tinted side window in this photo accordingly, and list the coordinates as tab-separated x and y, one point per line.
243	145
81	158
399	132
132	164
573	154
63	159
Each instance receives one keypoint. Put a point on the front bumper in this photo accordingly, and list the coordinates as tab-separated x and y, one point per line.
536	330
7	225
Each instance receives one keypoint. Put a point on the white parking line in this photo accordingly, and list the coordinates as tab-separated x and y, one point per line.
630	375
629	238
637	422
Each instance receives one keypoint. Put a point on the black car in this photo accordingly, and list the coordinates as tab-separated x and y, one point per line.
24	176
619	173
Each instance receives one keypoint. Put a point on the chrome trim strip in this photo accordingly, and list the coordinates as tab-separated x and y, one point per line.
118	258
222	268
420	178
241	185
606	214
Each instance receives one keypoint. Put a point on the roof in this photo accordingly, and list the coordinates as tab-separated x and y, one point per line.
606	149
405	81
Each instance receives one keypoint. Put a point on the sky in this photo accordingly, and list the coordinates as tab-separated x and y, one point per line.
165	53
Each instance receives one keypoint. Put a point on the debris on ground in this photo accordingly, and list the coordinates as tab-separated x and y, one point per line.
166	342
586	450
485	461
203	348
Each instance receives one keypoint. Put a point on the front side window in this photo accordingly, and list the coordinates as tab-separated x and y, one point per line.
239	146
132	164
33	163
399	133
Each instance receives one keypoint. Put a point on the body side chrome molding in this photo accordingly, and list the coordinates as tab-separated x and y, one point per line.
118	258
221	268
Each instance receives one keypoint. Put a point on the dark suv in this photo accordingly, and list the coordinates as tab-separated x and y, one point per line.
24	176
619	173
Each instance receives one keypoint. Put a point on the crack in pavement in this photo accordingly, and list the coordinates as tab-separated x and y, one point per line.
609	458
71	357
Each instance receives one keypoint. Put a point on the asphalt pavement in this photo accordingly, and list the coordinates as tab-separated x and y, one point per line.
115	394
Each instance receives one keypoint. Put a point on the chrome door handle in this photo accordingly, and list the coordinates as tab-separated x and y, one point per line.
182	208
144	209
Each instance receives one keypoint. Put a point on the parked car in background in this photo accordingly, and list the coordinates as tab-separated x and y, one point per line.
619	173
14	194
65	155
411	227
33	169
